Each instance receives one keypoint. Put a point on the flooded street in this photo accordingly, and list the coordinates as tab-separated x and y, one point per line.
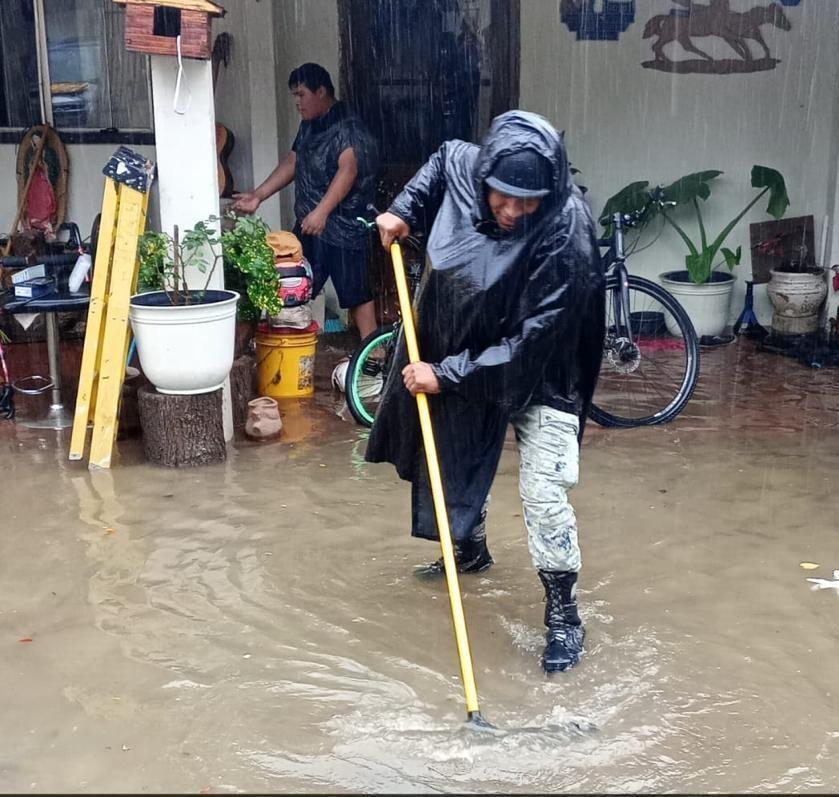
255	626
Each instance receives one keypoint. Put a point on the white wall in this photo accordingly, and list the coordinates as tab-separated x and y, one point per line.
625	122
8	196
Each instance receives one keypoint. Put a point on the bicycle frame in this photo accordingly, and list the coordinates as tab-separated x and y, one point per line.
616	262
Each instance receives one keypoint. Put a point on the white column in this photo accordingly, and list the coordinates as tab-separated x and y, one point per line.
185	141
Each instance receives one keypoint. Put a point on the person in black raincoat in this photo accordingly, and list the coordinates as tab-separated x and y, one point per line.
333	163
510	318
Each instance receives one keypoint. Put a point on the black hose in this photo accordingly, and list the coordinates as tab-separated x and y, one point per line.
33	260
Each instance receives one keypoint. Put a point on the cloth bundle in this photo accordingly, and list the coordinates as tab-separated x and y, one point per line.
295	276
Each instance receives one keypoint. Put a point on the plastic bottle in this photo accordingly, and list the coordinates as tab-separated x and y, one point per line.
79	272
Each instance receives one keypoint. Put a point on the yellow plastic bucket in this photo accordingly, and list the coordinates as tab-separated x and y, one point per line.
285	363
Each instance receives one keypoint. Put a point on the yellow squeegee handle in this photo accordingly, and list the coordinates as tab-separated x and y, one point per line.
463	652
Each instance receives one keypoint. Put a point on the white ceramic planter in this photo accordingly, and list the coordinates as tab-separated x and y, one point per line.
796	300
185	348
706	304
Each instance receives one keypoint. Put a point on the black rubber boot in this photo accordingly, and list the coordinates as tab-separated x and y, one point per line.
471	557
564	640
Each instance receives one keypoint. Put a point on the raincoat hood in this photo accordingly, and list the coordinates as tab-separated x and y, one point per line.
510	133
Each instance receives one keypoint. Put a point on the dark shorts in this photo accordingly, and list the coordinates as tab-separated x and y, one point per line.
347	267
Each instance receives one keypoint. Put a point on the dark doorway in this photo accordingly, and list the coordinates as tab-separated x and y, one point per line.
420	72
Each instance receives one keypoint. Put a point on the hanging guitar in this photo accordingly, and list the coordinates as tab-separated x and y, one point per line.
224	137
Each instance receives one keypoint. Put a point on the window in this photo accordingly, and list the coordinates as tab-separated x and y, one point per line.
97	90
19	100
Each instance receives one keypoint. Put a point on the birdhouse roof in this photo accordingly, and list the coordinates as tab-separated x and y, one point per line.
189	5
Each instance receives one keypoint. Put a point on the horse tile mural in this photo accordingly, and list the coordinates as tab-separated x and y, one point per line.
692	23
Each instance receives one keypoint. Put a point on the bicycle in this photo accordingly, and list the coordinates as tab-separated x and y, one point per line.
370	363
650	365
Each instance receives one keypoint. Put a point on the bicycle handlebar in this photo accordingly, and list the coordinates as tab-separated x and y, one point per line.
370	225
626	221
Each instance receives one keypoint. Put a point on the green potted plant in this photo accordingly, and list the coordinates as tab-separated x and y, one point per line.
249	268
702	288
184	335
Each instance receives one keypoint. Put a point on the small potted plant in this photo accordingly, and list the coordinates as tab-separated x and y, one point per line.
703	289
184	335
249	268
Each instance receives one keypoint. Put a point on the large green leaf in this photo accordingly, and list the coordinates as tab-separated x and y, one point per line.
764	177
699	266
732	258
690	187
629	199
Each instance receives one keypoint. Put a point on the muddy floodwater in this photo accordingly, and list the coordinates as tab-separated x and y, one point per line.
255	626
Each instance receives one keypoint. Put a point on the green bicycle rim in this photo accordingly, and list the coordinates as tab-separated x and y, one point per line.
365	353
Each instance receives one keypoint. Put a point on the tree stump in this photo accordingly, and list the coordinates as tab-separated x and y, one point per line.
182	431
129	407
242	387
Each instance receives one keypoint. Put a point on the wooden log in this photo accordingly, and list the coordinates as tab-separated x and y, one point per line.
129	408
242	387
182	431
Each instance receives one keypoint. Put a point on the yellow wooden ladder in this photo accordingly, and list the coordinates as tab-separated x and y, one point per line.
128	178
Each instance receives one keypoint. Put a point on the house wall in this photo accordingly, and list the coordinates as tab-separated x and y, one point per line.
625	122
246	99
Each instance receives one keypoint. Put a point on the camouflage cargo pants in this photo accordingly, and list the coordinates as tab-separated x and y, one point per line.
549	467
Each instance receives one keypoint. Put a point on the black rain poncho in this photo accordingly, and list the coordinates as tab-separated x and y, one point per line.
317	147
507	320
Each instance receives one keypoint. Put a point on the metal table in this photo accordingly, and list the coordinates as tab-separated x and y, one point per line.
57	417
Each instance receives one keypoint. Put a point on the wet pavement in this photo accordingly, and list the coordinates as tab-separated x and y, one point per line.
254	626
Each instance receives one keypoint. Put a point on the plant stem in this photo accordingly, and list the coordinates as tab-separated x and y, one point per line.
702	236
731	225
681	232
176	264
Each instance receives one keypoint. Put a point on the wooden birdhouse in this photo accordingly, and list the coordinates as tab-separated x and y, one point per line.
153	26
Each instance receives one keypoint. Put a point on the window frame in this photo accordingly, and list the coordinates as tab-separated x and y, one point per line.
74	135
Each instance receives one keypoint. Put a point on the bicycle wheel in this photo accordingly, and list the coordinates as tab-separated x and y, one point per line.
366	373
649	380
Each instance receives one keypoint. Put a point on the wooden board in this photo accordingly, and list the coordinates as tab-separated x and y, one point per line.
131	222
95	329
786	235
